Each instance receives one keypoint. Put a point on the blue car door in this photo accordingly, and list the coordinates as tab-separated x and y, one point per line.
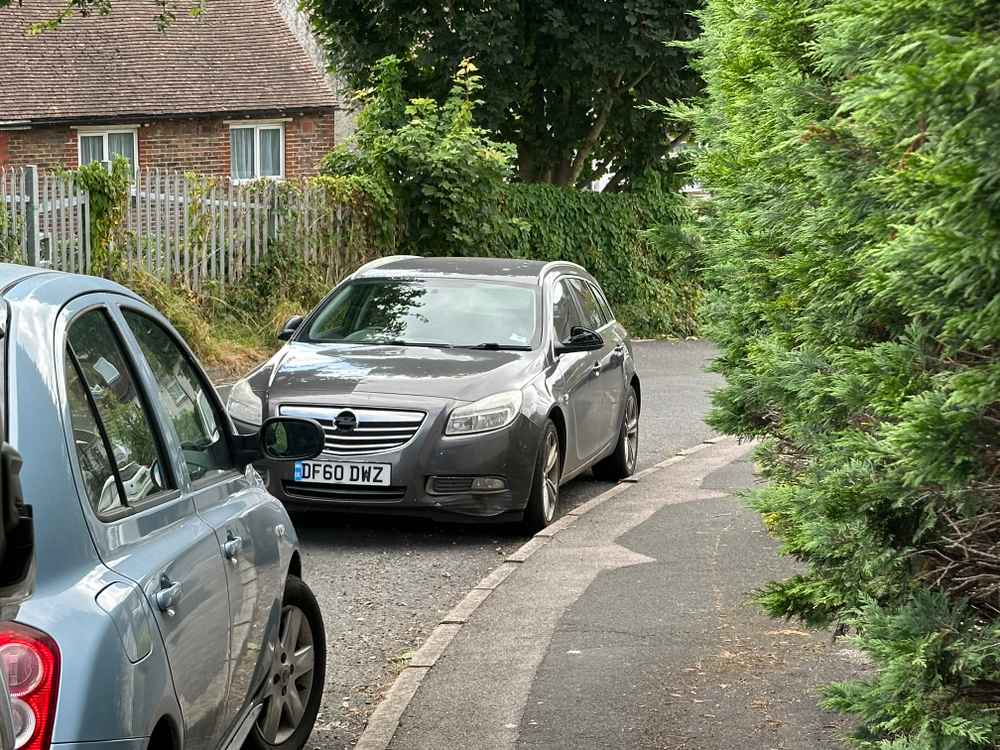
248	523
143	522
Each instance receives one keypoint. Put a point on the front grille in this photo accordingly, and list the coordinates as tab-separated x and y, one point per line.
376	430
343	492
450	485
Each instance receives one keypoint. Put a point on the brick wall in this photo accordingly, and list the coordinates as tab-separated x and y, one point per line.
196	145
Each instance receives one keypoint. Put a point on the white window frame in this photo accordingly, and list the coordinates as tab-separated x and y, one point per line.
105	132
257	126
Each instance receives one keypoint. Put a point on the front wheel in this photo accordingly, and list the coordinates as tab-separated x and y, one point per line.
544	499
621	464
298	672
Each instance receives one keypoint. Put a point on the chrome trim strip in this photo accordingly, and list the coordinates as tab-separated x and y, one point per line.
395	428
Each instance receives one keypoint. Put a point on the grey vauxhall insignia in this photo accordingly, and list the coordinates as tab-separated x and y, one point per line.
168	608
452	387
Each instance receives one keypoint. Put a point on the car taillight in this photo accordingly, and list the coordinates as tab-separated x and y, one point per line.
30	660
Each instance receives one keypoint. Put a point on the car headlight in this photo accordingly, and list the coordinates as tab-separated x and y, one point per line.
490	413
245	405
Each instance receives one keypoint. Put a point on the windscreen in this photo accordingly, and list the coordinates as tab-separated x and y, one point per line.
430	312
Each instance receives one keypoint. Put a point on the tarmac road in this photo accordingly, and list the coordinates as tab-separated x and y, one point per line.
384	583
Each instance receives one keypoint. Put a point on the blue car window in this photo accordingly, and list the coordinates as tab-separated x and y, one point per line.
183	399
117	410
99	480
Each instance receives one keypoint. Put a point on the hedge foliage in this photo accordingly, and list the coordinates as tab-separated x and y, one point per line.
450	185
850	149
635	243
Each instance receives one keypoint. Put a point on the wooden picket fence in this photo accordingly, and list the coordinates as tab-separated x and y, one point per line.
186	228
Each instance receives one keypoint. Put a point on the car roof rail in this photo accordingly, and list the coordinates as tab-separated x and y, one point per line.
373	264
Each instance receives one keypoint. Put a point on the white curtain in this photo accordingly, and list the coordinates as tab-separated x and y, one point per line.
270	152
122	144
241	149
91	148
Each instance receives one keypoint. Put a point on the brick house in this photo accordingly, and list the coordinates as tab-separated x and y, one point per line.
239	91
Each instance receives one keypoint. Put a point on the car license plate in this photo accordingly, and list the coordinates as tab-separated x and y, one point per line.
329	472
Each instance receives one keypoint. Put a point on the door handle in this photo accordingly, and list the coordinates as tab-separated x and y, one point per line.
167	596
232	547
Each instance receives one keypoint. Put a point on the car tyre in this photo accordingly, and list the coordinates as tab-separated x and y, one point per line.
543	502
298	674
621	464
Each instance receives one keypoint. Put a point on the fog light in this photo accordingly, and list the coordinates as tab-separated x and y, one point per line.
488	484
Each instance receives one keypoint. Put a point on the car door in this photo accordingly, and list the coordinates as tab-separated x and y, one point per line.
609	362
577	375
144	526
246	520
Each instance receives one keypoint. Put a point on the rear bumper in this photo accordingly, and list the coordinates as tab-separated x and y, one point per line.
509	454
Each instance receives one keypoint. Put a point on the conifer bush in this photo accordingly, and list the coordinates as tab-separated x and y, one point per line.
850	149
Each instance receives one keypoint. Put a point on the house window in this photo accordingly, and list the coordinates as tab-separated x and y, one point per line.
105	145
257	151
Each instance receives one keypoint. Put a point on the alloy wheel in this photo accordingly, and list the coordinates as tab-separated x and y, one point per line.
631	431
550	496
291	680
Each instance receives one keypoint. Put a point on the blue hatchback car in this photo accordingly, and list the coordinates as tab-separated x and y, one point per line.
169	609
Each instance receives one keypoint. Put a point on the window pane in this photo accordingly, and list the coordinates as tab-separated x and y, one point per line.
91	149
593	314
183	399
241	147
95	463
564	313
456	312
122	144
107	375
270	152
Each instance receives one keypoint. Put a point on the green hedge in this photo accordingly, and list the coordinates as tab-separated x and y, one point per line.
850	148
449	183
632	242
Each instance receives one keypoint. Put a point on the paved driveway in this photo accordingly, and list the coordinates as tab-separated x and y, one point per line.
384	583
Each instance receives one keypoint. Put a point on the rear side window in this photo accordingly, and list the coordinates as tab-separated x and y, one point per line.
116	446
183	399
593	313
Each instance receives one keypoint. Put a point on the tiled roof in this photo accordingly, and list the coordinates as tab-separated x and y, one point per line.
239	56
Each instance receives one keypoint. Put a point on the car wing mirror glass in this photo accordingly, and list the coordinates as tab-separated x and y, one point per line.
291	439
290	327
581	340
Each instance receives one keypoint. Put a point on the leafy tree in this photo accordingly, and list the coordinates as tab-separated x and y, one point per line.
165	15
564	80
444	173
849	146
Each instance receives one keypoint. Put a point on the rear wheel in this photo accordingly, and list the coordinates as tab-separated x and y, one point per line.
621	464
298	671
544	499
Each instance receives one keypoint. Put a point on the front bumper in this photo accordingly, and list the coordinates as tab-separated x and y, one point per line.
509	453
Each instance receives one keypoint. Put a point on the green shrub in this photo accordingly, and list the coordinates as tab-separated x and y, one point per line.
849	149
634	243
450	186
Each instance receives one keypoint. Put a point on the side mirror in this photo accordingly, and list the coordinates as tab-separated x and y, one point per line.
290	327
291	439
581	340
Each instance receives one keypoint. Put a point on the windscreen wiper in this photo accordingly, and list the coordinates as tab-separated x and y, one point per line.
492	346
400	342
